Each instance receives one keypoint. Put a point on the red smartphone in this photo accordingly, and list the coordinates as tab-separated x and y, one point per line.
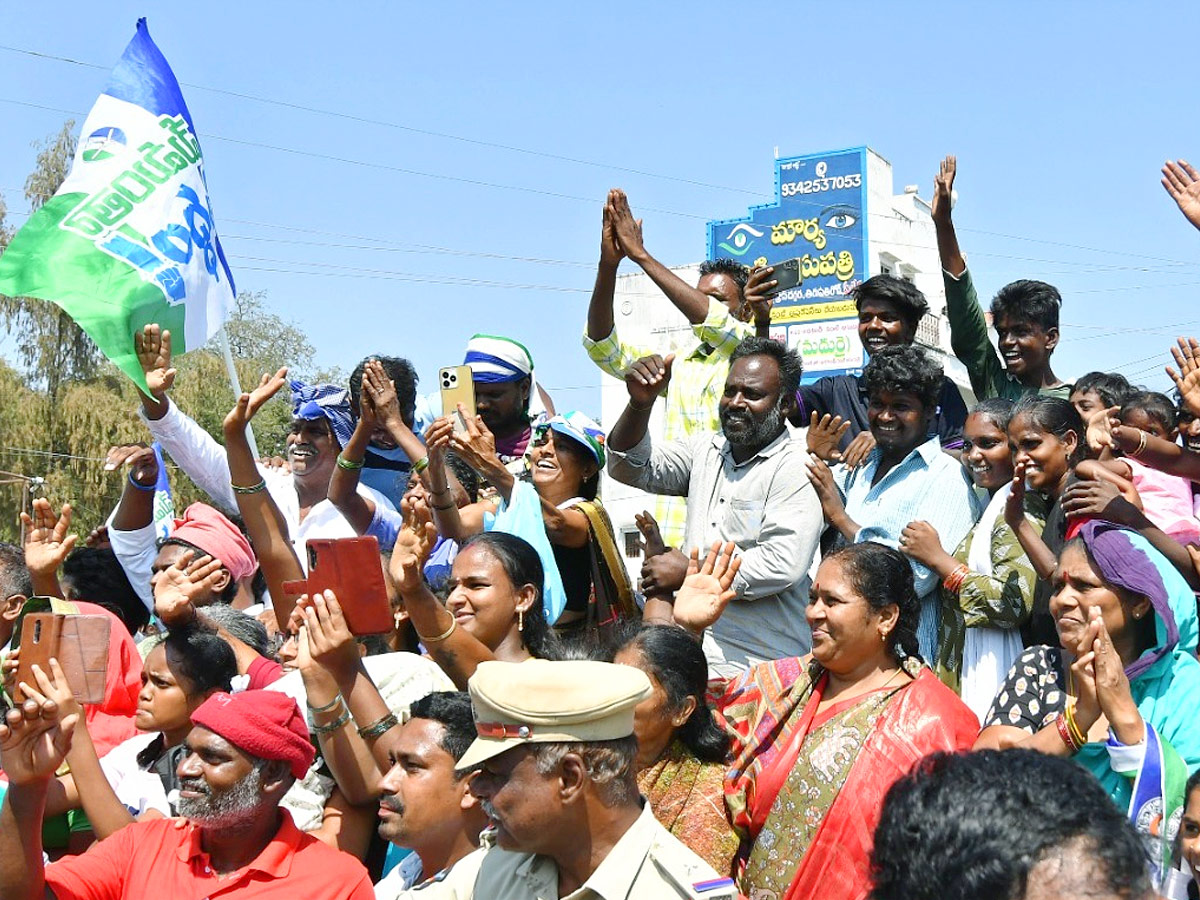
352	569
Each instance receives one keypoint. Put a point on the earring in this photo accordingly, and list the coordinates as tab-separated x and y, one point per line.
883	636
520	620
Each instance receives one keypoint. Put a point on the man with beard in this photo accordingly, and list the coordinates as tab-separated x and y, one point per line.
427	805
243	753
905	478
745	484
558	754
321	425
718	313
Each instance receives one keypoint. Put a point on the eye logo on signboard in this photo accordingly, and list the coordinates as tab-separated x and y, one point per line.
739	240
817	222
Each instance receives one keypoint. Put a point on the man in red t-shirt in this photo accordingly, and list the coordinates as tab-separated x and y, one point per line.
243	753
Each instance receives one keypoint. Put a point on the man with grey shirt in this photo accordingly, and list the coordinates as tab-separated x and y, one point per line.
745	484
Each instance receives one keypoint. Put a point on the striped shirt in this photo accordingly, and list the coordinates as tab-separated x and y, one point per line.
927	484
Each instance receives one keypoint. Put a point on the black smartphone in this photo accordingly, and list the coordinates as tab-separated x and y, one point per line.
786	275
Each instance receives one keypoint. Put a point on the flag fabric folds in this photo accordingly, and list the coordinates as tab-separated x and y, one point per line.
129	238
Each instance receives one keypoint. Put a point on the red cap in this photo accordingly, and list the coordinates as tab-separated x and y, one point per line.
265	724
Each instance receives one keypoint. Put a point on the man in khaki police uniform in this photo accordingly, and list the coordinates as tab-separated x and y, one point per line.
556	746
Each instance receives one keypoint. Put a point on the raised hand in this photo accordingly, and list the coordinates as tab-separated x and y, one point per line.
610	251
824	434
626	228
858	450
143	464
414	543
153	348
943	188
1100	428
708	588
248	405
759	292
47	543
34	739
329	639
179	587
648	526
647	378
1014	506
477	447
1187	379
1182	182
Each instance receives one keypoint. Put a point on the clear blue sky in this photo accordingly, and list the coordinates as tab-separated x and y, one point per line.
1060	114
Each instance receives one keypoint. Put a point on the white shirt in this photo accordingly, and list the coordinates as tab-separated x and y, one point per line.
203	460
137	789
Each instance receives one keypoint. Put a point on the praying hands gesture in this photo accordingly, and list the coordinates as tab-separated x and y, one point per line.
1102	685
611	253
180	585
47	545
1182	182
379	393
626	229
708	588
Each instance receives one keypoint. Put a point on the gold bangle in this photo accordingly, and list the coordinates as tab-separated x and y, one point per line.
1141	447
441	637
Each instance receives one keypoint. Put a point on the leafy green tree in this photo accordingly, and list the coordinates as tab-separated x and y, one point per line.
51	347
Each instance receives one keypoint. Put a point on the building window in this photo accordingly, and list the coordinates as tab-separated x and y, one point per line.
633	542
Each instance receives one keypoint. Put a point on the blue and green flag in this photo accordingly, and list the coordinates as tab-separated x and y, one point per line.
129	238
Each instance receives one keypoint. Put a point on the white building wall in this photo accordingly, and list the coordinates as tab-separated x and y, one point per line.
901	242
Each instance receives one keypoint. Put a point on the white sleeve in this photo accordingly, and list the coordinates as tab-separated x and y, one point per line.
135	552
196	452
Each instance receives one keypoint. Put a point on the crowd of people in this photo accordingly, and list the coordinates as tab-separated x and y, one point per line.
886	641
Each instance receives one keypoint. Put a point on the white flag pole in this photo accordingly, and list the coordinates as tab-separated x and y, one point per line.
236	384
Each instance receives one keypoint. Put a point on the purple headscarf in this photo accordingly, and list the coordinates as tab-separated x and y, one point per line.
1126	566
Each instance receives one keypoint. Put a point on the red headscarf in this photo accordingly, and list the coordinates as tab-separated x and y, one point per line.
204	527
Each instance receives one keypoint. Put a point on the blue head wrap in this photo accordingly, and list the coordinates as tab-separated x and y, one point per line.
315	401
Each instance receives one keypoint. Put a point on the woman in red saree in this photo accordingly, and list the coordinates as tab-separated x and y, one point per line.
818	741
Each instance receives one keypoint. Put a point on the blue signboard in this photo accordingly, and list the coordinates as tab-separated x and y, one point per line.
819	218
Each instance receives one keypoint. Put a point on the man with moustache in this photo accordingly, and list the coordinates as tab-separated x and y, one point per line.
426	805
745	484
556	745
322	423
243	753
